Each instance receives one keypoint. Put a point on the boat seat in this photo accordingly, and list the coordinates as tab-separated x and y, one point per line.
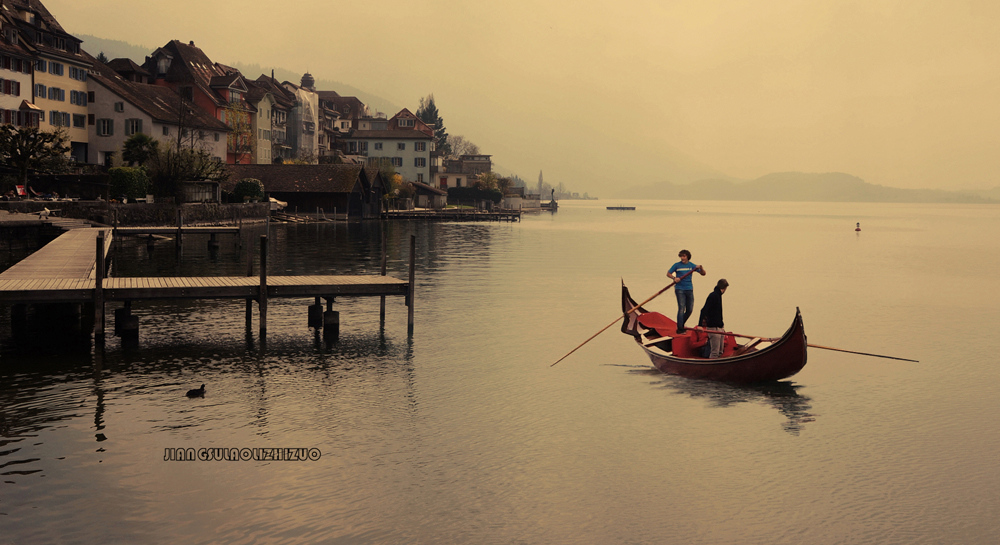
743	349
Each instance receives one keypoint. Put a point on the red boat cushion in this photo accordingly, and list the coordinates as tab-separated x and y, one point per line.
663	325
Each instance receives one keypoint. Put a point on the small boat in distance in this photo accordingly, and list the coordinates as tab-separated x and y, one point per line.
621	208
759	360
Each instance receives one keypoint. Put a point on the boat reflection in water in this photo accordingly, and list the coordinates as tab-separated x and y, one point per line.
782	395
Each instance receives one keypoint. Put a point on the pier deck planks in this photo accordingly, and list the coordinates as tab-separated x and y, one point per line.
64	271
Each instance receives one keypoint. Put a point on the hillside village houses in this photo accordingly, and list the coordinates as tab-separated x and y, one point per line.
178	95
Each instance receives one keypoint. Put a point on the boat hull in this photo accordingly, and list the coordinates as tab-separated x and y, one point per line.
783	358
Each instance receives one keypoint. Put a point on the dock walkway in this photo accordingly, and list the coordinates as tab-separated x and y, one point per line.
70	269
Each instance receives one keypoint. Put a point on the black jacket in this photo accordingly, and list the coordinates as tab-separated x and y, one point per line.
711	313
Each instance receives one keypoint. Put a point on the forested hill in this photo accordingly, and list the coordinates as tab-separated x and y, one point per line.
800	187
117	48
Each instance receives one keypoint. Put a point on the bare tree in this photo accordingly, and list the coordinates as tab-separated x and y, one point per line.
460	146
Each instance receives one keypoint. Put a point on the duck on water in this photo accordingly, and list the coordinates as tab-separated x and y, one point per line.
197	392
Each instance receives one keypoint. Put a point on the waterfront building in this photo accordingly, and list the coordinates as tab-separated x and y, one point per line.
284	102
216	88
16	67
121	106
302	119
60	70
404	141
463	171
348	190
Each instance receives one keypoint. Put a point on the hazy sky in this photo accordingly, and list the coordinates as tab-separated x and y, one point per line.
601	95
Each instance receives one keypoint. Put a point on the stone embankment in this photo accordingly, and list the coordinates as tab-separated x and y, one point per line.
142	214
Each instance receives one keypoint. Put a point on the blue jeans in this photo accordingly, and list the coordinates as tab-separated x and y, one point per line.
685	305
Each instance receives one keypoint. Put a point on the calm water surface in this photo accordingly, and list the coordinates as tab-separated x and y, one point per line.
465	434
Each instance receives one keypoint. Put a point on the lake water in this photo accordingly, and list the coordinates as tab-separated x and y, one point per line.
465	434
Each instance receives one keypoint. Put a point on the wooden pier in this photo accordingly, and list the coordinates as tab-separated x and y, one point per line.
71	269
453	214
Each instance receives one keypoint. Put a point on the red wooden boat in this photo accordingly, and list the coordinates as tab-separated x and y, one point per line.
759	360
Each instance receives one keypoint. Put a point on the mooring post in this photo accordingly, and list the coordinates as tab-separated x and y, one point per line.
381	315
409	296
99	290
249	316
262	301
315	319
179	225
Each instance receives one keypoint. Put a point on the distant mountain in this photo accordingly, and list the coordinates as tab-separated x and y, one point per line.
800	187
993	193
116	48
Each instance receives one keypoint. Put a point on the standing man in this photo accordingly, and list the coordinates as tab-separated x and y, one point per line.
684	288
711	318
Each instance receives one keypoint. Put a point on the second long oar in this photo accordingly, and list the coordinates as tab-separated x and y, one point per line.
809	345
654	296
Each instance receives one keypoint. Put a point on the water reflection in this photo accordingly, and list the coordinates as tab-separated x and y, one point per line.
781	395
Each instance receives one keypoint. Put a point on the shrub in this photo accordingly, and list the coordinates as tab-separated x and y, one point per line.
457	194
128	182
248	189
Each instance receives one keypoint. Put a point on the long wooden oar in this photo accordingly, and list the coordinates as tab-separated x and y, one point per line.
654	296
809	345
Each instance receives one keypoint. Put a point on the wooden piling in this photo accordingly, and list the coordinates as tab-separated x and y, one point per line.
410	293
262	301
99	291
381	314
249	312
179	240
316	314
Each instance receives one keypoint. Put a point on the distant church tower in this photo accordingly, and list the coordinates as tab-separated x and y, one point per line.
539	182
308	82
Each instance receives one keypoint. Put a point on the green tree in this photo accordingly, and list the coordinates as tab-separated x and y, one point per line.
28	148
102	57
248	189
428	113
139	149
128	182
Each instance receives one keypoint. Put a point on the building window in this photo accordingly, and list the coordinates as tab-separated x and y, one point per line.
166	131
77	73
78	97
419	162
56	68
41	66
119	106
420	178
59	119
56	93
132	126
105	127
79	121
420	146
11	87
40	90
378	146
405	122
216	137
397	161
401	146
